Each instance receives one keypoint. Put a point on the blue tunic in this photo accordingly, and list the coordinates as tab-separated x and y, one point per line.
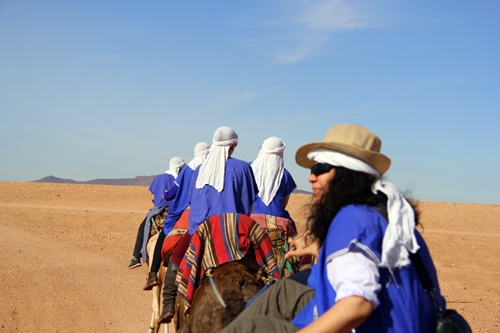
404	305
159	185
287	186
237	196
181	200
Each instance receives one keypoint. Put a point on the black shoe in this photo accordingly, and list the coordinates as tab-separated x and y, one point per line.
166	315
136	262
152	281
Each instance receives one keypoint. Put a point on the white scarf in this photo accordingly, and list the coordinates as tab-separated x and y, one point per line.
176	163
212	171
399	237
268	168
201	151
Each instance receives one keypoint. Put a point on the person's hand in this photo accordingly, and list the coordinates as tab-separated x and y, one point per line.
302	246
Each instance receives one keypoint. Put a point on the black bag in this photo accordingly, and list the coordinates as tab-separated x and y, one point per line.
452	322
449	321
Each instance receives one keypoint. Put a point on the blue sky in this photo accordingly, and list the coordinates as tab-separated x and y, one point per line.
114	89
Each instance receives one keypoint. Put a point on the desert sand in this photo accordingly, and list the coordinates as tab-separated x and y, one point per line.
65	251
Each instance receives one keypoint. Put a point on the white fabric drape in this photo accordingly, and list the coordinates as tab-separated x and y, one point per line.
212	171
176	163
201	151
268	168
399	237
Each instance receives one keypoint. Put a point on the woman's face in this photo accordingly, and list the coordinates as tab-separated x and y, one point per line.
320	183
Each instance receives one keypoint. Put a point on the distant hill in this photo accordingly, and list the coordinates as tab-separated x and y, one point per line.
137	181
302	192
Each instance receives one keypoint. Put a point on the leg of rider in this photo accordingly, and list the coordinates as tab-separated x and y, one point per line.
274	309
138	241
169	285
156	263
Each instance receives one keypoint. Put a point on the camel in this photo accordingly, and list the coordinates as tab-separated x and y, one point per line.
236	286
154	325
222	269
236	281
171	240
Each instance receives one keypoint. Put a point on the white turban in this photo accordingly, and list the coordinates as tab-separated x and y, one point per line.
268	168
201	151
176	163
212	171
399	237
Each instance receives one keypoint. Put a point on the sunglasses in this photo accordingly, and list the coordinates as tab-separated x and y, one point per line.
321	168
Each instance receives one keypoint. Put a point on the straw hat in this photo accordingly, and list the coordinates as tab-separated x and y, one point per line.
353	140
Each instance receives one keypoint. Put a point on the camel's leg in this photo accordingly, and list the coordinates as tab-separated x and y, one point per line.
155	306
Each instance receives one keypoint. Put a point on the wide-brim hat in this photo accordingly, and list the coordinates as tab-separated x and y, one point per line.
352	140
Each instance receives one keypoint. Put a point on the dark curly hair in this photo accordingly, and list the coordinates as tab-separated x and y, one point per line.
347	187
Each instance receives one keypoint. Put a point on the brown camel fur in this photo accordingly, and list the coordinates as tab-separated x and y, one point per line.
235	283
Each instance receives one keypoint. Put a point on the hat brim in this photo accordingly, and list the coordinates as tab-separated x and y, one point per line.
378	161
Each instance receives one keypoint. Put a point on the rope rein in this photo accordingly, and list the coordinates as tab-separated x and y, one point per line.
212	282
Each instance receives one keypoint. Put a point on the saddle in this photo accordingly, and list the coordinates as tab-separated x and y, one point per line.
222	239
157	224
174	236
280	231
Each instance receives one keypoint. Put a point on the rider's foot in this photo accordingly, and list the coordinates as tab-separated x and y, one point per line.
167	314
136	262
152	281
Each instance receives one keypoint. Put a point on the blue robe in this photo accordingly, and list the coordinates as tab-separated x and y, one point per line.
237	196
275	208
159	185
404	305
181	200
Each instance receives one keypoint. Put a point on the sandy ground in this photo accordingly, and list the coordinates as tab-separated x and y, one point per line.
65	251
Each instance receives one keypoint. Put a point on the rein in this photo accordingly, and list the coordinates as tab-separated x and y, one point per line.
212	282
153	224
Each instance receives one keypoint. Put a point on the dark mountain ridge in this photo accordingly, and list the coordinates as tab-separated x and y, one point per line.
136	181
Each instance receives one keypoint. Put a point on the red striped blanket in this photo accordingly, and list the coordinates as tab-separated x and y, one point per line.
221	239
175	235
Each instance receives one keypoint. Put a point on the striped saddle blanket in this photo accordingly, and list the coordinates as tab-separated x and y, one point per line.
219	240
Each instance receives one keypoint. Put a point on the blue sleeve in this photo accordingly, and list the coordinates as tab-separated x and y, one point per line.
171	193
290	183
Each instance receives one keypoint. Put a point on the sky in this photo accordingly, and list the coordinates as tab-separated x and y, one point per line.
114	89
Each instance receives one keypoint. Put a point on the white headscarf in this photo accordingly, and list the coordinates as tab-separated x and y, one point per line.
201	151
212	171
268	168
176	163
399	237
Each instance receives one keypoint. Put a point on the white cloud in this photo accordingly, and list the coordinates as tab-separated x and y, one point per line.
331	15
234	100
303	28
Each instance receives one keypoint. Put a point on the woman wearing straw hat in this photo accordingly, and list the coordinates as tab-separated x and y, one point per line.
363	279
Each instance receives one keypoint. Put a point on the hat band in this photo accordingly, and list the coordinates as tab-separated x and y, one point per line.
334	158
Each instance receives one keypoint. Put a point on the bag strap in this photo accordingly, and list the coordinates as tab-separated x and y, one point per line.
415	258
422	272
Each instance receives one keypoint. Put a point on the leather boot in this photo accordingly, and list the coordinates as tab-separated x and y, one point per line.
152	280
169	293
